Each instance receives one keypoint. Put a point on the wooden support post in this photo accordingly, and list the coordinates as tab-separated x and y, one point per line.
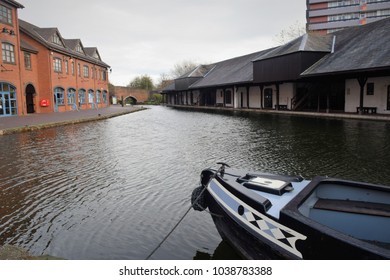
362	82
277	97
247	96
261	96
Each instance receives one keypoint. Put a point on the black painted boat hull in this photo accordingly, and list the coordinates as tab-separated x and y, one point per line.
289	234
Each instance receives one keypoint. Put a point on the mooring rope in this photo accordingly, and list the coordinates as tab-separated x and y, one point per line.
221	170
176	225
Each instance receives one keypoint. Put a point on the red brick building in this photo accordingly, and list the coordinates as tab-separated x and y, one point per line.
43	72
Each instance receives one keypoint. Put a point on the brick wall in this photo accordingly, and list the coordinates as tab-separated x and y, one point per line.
140	94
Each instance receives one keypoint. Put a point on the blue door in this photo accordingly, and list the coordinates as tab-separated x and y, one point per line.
8	104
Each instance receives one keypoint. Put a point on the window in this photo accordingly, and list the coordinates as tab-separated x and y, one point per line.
90	96
5	14
8	103
81	96
72	68
268	98
228	96
78	69
344	3
105	96
79	49
370	88
71	96
57	65
8	53
381	13
27	61
56	39
66	67
98	96
104	75
59	96
343	17
86	71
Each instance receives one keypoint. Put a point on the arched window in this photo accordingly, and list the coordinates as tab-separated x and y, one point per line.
105	97
90	96
82	98
59	94
71	96
98	96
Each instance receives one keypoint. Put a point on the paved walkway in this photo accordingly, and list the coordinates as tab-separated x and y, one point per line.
16	124
372	117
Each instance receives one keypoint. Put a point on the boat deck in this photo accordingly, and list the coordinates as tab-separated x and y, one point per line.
278	202
358	207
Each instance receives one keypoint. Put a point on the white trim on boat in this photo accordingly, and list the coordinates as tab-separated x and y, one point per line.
260	223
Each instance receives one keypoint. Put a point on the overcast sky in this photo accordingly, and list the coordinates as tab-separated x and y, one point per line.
138	37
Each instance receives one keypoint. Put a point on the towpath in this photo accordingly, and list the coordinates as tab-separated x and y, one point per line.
16	124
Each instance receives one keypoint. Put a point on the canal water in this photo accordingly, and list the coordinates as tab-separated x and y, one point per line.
114	189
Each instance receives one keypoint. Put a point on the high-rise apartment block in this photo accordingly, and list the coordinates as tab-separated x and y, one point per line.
333	15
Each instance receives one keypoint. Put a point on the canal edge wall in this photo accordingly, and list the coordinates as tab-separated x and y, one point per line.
370	117
28	128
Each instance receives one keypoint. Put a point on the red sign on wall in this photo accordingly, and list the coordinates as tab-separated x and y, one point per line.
44	103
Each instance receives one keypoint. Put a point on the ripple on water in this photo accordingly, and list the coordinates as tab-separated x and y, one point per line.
115	188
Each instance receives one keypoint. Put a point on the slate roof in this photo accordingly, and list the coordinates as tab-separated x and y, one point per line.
306	43
73	43
238	70
198	72
169	87
357	49
92	52
27	47
44	35
14	3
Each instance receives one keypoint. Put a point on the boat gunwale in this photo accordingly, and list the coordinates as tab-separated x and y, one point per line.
291	212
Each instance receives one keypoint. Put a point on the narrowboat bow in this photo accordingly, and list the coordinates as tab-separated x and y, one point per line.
268	216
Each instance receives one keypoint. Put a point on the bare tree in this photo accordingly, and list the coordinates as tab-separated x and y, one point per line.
183	67
163	81
292	32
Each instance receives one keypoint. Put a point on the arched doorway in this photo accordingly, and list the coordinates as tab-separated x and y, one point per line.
30	92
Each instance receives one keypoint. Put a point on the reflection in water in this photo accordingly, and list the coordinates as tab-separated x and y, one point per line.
113	189
223	252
